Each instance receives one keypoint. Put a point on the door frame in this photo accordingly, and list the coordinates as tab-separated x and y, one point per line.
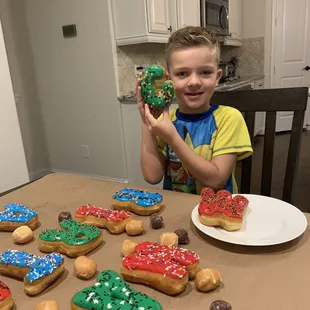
269	64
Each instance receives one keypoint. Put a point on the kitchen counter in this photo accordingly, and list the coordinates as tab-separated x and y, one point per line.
227	86
256	278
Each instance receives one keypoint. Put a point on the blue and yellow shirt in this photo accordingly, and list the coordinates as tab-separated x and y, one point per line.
220	130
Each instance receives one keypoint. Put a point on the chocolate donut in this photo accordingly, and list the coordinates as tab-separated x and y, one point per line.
183	235
64	216
156	221
220	305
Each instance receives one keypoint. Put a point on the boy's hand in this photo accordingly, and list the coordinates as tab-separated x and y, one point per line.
163	128
141	103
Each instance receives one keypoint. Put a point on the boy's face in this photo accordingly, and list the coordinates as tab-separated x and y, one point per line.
195	74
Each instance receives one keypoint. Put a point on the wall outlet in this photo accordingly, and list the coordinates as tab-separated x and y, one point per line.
140	68
85	151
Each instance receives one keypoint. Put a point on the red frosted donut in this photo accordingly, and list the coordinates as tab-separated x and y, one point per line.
6	301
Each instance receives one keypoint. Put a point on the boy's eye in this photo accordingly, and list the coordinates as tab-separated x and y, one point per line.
181	74
206	72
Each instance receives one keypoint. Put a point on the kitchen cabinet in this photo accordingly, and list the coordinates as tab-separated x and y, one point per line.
235	23
152	21
188	13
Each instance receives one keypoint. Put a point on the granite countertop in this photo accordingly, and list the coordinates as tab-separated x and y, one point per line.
131	96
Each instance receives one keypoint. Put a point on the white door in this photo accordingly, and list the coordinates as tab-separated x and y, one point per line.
13	168
188	12
158	16
291	49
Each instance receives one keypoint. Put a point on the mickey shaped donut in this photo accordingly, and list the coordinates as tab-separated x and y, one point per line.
153	97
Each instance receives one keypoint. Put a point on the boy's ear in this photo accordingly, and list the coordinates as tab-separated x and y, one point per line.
219	74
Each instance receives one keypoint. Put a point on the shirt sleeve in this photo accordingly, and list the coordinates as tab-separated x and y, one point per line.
232	135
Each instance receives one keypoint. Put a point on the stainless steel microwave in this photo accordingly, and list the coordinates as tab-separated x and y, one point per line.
215	16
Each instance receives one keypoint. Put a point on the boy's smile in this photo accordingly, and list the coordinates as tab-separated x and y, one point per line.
195	74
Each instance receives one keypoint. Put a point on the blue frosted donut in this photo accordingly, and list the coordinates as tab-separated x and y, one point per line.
15	215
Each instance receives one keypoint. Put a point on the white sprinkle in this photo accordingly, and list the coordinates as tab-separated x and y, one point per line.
124	289
90	296
96	301
109	306
117	278
97	284
141	308
127	293
122	302
106	284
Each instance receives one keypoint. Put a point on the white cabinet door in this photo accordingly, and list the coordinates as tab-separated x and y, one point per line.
13	168
235	23
158	16
188	13
235	19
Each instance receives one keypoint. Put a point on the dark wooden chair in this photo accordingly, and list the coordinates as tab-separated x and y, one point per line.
270	101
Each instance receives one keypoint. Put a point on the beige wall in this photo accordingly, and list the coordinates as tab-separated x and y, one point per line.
77	86
24	84
254	18
13	167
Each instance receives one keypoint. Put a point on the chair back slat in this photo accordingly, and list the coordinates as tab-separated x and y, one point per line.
270	101
270	131
293	156
246	171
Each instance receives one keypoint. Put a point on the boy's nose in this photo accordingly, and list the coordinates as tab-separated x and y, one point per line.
193	81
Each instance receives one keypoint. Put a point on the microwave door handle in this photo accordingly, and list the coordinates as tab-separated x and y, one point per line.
225	23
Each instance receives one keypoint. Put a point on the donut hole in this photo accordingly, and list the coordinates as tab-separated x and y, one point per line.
17	213
159	85
81	236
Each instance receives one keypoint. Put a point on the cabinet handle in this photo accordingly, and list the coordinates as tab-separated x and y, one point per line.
307	68
170	28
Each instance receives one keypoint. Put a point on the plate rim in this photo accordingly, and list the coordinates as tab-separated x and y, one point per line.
248	196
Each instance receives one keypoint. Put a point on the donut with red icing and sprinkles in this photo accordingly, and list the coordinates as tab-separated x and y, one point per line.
222	209
163	267
6	300
113	220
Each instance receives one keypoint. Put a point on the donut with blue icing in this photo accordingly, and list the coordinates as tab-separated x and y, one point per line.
16	215
137	201
38	272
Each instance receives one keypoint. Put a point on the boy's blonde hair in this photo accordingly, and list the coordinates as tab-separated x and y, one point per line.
191	36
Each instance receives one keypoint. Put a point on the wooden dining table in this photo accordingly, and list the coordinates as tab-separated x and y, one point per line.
253	278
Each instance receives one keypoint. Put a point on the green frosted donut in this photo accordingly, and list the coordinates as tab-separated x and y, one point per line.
153	97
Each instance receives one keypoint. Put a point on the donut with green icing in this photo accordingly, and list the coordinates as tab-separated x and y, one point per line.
153	97
73	239
111	292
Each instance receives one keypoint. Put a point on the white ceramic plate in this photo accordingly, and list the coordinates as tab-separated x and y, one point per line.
268	221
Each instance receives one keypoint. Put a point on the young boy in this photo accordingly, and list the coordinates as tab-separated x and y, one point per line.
198	144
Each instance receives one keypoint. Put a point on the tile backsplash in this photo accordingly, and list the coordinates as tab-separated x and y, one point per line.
250	55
